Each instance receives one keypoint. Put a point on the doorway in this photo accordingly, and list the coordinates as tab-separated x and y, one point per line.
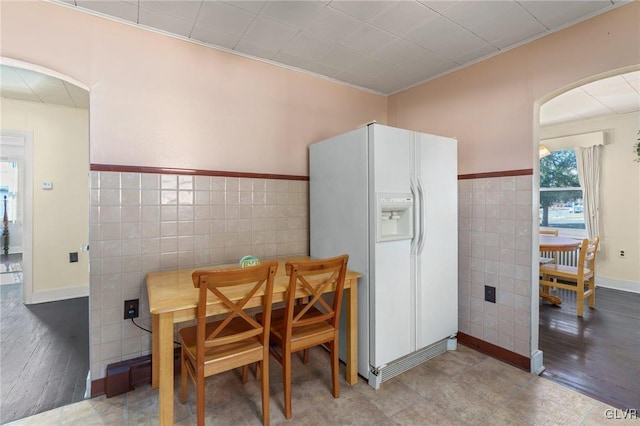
596	354
45	307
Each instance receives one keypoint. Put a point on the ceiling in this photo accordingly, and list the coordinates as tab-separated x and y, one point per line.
32	86
615	95
380	46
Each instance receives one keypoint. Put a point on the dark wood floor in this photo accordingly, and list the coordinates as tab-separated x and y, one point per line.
598	354
44	356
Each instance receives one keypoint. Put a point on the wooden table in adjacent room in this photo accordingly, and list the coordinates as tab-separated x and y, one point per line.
173	299
553	243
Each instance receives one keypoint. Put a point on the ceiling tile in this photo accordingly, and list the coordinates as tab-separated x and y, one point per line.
18	93
397	51
308	47
269	33
118	9
218	38
469	13
448	39
371	67
249	6
510	26
557	13
297	62
439	5
342	57
187	10
633	78
79	96
218	16
363	10
401	17
333	25
168	23
551	114
367	38
256	49
294	13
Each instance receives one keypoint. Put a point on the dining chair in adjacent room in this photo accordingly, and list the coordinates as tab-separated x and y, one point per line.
307	319
580	278
236	340
548	259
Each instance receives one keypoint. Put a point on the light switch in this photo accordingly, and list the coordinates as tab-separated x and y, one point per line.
47	185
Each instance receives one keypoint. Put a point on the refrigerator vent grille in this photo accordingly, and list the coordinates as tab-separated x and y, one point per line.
416	358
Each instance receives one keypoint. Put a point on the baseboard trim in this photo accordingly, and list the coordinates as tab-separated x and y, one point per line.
140	373
59	294
97	387
494	351
612	283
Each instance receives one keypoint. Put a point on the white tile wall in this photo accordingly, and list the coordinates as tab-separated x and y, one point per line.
142	222
494	231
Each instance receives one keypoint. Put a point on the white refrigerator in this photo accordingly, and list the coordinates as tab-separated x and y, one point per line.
388	197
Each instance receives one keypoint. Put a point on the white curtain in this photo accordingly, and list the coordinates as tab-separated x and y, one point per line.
588	160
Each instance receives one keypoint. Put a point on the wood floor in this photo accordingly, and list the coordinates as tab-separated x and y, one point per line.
599	354
44	357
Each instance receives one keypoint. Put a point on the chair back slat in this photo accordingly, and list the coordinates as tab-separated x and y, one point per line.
313	278
233	288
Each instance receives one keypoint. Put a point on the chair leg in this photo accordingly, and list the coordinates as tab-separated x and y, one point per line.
245	373
200	398
286	378
592	296
580	298
305	356
264	377
335	368
183	377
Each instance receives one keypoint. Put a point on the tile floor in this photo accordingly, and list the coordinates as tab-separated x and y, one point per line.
462	387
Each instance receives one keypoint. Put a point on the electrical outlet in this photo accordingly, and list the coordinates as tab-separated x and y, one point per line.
73	257
131	308
621	254
489	294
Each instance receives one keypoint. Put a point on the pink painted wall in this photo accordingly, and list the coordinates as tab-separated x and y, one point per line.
162	102
489	106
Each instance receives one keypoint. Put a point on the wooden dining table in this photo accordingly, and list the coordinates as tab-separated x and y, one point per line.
553	243
173	299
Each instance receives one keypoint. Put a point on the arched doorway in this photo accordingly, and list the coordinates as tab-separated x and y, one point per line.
590	353
45	317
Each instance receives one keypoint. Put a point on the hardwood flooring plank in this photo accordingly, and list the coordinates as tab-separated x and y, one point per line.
597	354
50	368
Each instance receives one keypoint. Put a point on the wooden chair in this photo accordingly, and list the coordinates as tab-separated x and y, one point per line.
235	341
581	278
545	259
298	327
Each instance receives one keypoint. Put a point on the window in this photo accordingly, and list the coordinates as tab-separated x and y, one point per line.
561	204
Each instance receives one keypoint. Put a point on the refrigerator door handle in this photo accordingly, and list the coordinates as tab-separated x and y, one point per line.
416	213
422	213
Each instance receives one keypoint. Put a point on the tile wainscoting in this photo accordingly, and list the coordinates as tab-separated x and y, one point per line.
145	222
494	232
150	221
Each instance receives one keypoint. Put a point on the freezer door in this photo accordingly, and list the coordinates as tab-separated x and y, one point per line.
338	211
391	292
437	256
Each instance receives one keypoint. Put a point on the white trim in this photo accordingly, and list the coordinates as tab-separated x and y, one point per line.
59	294
537	364
36	68
612	283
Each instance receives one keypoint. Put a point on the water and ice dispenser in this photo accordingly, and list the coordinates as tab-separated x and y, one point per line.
394	217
